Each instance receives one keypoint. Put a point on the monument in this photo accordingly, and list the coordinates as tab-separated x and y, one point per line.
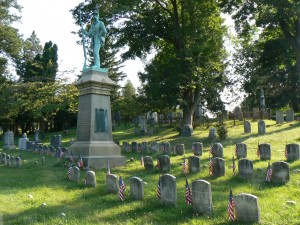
94	141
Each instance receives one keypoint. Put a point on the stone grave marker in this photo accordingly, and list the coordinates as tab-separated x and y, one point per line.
217	150
165	148
246	208
3	158
218	167
247	127
75	174
245	168
90	179
12	161
112	183
56	140
8	162
168	190
202	197
23	142
197	148
280	172
18	162
143	130
179	149
261	127
37	135
255	113
212	133
136	188
293	152
154	147
279	117
165	164
134	147
144	146
290	116
126	146
265	151
9	140
194	164
241	150
148	163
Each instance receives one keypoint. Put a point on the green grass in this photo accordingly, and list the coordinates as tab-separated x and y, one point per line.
48	184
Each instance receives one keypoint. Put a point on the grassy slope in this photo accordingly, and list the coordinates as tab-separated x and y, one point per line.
48	183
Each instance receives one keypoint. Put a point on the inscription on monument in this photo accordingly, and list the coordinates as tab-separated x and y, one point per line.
101	120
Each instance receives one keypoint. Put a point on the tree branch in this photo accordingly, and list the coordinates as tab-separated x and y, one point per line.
164	8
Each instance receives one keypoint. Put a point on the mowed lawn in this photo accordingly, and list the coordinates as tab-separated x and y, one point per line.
56	200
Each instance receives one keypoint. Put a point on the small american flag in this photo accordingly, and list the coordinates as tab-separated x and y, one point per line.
158	165
258	150
108	169
286	152
80	162
184	169
211	150
72	156
210	167
142	161
122	188
70	172
233	165
230	208
158	189
269	173
188	194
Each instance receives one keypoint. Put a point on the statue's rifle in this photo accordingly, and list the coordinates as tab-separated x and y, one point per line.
83	41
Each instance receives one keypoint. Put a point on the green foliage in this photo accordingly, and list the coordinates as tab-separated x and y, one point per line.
128	90
222	131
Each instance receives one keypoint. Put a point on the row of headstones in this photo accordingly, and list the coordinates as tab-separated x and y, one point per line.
10	160
164	147
24	143
246	205
290	116
280	169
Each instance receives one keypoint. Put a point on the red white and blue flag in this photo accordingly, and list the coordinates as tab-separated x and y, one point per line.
230	208
80	162
184	169
210	167
142	161
269	173
122	188
158	193
188	194
70	172
72	156
158	166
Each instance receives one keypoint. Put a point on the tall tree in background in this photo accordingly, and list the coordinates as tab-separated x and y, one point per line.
187	37
270	34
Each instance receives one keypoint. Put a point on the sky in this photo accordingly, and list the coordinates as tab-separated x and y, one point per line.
52	21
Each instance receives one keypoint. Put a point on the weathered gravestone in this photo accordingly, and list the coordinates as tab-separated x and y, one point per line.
217	150
134	147
261	127
144	147
293	152
279	117
168	190
241	150
143	130
212	133
255	113
126	146
245	168
18	162
165	164
12	161
3	161
247	127
136	188
179	149
165	148
280	172
265	151
202	197
56	140
8	162
9	140
75	174
186	130
112	183
290	116
246	208
37	135
148	163
23	142
90	179
194	164
154	147
197	148
218	167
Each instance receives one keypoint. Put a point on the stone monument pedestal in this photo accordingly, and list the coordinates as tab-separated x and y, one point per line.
94	141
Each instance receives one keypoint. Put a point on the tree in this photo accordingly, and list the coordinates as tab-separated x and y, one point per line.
278	23
187	38
128	90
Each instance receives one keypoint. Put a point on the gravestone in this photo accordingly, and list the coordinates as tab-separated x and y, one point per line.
126	146
241	150
212	133
23	142
217	150
165	164
265	151
247	127
165	148
29	145
134	147
112	183
293	152
218	167
148	163
168	190
144	147
194	164
9	140
261	127
290	116
12	161
143	130
75	174
56	140
197	148
186	130
179	149
3	158
280	172
90	179
8	162
202	197
18	162
154	147
279	117
136	188
245	168
37	135
246	208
